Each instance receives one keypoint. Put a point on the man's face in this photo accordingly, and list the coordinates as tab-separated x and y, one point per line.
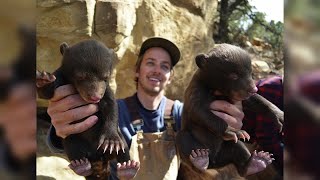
155	71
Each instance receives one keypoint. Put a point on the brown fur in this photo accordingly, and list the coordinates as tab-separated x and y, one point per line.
226	69
88	65
228	172
268	173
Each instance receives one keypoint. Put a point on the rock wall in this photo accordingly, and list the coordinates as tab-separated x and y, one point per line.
123	25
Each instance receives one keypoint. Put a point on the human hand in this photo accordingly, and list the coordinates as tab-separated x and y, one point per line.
67	106
18	120
232	114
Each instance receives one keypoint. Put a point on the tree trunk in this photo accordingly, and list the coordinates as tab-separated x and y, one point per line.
222	36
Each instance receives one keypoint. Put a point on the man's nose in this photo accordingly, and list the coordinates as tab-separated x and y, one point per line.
157	69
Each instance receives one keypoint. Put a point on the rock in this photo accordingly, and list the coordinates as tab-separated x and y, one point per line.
257	41
260	66
268	54
50	165
53	167
123	26
62	19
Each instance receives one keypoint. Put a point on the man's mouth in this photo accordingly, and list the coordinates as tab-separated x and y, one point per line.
154	79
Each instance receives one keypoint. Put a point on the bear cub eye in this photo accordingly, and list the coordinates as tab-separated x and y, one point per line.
233	76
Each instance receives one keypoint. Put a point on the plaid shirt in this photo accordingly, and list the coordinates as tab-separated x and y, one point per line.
260	127
310	86
302	128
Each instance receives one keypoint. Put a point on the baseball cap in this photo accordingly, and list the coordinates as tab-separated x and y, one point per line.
169	46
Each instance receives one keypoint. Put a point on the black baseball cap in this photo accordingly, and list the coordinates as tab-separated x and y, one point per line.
169	46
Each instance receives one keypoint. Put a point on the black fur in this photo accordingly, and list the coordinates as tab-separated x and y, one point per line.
88	65
225	69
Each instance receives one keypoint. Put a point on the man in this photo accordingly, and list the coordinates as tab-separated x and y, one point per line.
261	128
18	132
151	140
302	127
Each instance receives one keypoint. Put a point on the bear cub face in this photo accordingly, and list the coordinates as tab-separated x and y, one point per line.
227	70
88	66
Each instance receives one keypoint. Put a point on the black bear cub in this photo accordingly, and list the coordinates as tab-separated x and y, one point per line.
88	66
205	140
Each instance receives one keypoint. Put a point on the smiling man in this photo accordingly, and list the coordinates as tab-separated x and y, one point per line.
142	116
154	72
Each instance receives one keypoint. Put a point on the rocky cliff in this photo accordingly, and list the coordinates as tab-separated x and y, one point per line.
123	25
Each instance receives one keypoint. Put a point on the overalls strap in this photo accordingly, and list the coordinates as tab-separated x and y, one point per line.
132	105
168	115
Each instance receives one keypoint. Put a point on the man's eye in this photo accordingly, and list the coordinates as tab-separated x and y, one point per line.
165	68
149	63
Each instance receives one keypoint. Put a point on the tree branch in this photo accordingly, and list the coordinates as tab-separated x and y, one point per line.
253	17
237	3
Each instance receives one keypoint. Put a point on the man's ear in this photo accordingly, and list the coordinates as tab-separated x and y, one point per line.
201	60
169	81
171	76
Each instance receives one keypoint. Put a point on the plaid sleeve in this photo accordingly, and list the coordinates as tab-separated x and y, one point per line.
310	86
272	89
260	127
302	128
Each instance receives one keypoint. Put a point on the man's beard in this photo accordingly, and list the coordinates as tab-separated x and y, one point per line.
152	92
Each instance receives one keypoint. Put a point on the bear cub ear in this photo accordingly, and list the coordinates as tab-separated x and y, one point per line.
201	60
63	47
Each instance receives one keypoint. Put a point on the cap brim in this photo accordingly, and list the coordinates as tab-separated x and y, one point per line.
172	49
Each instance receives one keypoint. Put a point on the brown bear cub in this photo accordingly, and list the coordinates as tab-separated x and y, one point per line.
205	140
88	65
